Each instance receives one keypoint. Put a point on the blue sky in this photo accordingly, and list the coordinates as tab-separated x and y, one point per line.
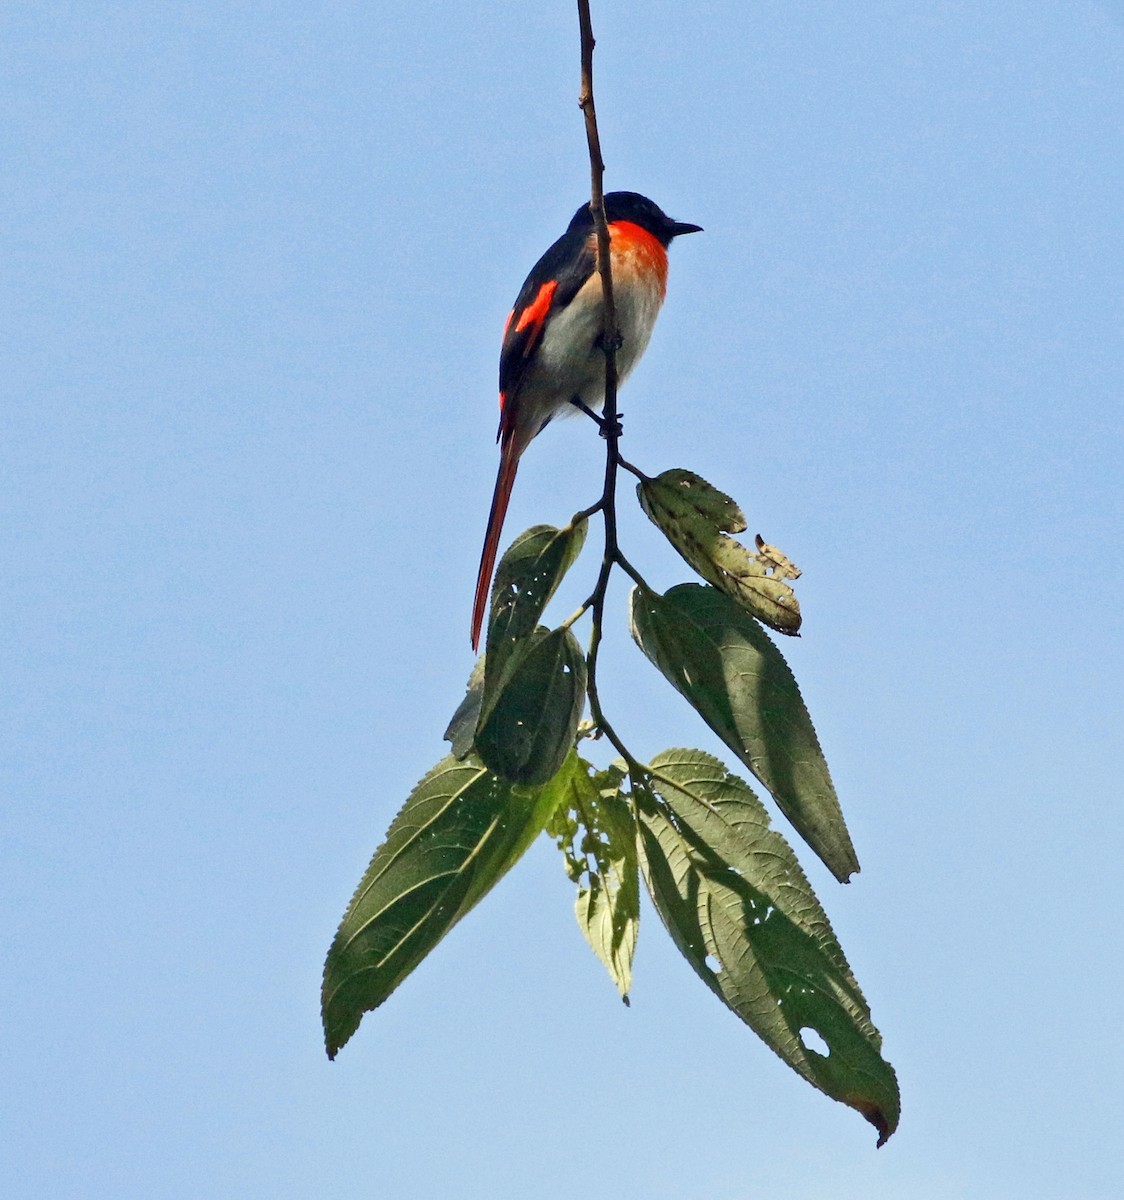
256	262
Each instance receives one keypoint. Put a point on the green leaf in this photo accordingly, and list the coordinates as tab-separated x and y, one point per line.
527	577
462	727
459	832
723	662
697	518
529	719
738	906
684	495
596	832
533	690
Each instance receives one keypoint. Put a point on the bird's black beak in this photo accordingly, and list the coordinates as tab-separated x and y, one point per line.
678	228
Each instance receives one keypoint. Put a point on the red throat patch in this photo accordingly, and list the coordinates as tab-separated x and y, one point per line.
637	252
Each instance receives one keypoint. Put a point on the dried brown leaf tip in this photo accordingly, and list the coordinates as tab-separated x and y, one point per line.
775	561
698	520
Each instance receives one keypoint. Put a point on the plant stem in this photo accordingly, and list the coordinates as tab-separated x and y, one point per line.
609	422
634	470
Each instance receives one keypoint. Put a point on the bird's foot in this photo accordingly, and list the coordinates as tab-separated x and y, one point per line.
609	429
612	429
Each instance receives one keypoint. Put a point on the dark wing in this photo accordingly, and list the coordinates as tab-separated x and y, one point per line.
553	282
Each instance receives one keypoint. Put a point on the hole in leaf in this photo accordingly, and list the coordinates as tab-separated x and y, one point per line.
813	1042
712	964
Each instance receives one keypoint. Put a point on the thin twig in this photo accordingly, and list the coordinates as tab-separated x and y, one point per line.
575	616
621	462
632	572
578	517
609	421
597	208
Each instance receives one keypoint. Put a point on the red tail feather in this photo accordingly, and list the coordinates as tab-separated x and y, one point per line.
509	464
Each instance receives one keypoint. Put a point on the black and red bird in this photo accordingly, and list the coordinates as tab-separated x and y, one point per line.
551	355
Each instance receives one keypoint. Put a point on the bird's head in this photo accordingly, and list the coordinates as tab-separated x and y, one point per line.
639	210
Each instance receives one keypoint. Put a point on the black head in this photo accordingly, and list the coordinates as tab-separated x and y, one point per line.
631	206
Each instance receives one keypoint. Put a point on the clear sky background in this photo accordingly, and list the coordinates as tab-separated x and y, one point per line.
256	259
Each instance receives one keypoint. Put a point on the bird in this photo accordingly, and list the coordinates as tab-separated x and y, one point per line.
551	359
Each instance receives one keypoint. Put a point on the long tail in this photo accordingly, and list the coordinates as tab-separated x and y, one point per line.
509	464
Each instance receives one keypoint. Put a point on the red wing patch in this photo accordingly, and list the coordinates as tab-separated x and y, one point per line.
553	282
535	312
522	334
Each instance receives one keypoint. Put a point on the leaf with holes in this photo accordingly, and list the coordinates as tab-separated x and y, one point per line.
724	664
459	832
738	906
697	519
529	719
527	577
596	832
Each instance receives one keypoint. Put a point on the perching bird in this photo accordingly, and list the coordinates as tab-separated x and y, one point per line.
552	355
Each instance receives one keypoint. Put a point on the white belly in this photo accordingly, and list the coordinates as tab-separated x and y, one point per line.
569	362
